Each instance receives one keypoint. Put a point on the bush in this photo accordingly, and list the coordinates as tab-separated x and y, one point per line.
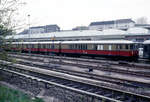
10	95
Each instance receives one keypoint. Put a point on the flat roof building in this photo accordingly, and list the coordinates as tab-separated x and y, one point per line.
122	24
42	29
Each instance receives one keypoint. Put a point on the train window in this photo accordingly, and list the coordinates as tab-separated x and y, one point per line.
126	46
131	47
80	46
27	46
76	46
52	46
100	47
17	45
44	46
39	46
110	47
20	45
95	47
84	46
32	46
49	46
72	46
24	46
120	46
117	47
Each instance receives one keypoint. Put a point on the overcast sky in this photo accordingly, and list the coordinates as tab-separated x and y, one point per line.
71	13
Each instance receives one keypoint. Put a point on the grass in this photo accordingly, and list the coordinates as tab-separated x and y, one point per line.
10	95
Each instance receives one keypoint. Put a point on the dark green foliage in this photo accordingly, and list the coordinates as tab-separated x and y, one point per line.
3	33
38	100
10	95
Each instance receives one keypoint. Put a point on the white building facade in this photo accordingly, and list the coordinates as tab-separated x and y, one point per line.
114	24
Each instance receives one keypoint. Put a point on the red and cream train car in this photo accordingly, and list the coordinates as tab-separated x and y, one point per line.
110	48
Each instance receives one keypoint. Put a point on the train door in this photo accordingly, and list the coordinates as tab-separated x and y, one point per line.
38	48
118	50
110	50
59	49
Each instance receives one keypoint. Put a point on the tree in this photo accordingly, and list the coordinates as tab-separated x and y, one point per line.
8	11
3	33
142	20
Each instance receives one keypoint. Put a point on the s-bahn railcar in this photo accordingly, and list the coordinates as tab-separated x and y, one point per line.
111	48
146	49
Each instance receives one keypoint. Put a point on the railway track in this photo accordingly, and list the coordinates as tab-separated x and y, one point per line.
118	67
76	83
142	63
108	78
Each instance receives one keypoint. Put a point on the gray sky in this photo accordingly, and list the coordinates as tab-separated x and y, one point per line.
71	13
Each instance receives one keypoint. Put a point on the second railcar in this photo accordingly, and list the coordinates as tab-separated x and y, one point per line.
112	48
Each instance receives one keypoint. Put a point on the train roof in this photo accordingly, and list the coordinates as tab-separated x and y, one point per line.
47	42
146	42
80	42
100	42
